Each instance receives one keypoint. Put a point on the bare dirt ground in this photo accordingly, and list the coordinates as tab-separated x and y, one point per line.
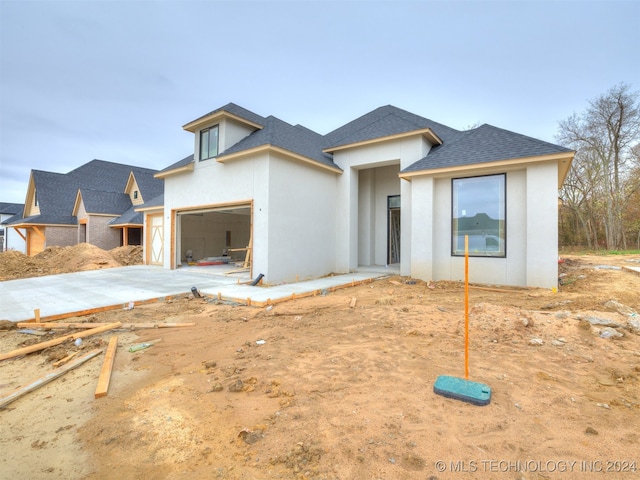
317	389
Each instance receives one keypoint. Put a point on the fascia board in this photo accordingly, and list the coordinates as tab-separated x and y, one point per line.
564	160
175	171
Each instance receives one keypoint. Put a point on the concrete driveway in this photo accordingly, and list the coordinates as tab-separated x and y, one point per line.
82	292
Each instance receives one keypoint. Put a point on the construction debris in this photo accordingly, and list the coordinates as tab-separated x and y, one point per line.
39	382
107	366
57	341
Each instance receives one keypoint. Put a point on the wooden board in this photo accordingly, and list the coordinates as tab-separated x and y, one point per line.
57	341
65	359
65	326
39	382
105	374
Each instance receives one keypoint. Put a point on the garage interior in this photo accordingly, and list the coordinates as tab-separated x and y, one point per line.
217	236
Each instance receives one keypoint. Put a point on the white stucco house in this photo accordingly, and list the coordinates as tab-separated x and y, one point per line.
388	188
9	238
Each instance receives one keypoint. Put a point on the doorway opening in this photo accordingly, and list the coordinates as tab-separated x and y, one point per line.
215	236
393	229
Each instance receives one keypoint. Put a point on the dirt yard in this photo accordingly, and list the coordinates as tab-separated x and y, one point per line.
319	389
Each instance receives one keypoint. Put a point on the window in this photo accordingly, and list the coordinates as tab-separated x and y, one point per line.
209	143
135	194
479	211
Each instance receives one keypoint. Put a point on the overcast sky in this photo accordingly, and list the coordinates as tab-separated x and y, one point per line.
116	80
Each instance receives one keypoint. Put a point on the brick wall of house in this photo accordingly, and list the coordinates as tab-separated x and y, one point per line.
61	236
100	234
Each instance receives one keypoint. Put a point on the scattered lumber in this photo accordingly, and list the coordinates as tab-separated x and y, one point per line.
105	373
130	326
30	331
353	302
57	341
37	383
65	359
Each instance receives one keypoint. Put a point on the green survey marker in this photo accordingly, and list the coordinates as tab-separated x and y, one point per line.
461	389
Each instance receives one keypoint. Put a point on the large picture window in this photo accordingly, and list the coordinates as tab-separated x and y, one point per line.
209	143
479	211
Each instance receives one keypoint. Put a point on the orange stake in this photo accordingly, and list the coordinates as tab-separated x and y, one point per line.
466	307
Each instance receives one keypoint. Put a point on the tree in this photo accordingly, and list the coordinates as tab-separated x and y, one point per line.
602	182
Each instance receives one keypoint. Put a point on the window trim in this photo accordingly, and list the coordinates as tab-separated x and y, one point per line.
207	131
499	254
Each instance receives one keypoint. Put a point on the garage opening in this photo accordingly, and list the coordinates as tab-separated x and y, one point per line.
215	236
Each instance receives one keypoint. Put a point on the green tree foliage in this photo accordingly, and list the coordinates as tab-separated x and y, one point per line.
600	194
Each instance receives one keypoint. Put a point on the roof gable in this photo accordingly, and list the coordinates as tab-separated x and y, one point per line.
384	122
230	110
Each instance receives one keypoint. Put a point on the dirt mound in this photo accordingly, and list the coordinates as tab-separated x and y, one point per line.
129	255
56	260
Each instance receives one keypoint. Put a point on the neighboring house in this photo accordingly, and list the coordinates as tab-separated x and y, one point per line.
95	203
389	188
9	238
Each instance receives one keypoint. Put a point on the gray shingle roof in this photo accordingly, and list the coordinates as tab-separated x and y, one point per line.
100	182
11	208
98	202
12	219
383	122
296	139
481	145
180	163
476	146
129	217
154	202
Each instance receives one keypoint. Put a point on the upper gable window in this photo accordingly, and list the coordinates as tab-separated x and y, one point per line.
479	212
209	143
135	194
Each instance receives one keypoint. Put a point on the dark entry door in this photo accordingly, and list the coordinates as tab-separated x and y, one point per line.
393	222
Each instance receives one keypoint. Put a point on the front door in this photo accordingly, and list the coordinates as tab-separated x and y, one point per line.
155	239
393	222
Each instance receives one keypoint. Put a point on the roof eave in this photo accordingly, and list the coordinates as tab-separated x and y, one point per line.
158	208
427	133
175	171
211	118
564	160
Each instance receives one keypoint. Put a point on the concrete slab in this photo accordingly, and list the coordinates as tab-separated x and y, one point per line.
63	295
632	269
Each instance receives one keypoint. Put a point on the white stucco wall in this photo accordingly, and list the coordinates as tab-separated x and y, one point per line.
216	184
12	240
542	242
531	249
301	221
352	231
294	209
